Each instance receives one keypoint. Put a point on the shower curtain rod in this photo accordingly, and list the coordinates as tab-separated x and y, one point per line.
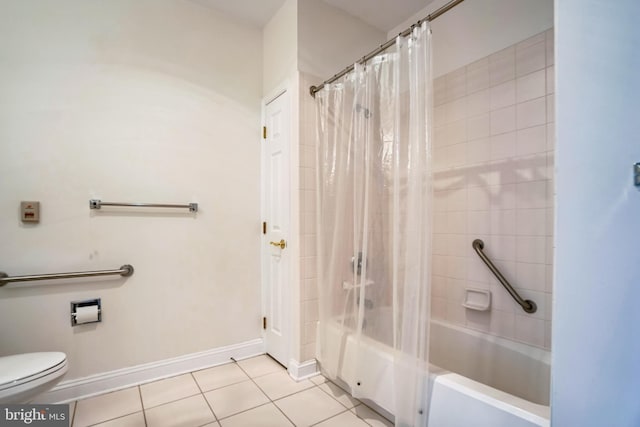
314	89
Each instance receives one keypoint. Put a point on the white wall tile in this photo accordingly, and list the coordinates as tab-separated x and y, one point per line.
502	66
531	195
439	265
532	167
456	110
457	245
478	320
455	313
456	82
503	95
477	271
457	222
456	132
503	323
549	278
478	198
442	135
531	276
531	140
439	308
504	120
533	40
479	126
457	199
478	102
551	80
551	108
502	248
531	249
494	160
531	86
550	224
503	146
440	221
530	59
503	222
455	290
439	158
551	136
504	196
439	244
547	335
440	202
439	90
457	267
530	330
501	300
479	222
478	75
479	150
531	222
531	113
440	115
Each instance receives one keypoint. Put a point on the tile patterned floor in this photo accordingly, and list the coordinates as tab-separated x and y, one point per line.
252	392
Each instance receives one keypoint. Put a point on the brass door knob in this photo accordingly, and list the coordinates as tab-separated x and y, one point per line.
281	243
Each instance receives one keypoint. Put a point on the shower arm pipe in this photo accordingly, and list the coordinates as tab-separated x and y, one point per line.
124	271
438	12
527	305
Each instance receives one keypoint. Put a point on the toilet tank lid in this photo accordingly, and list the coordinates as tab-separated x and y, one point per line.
20	366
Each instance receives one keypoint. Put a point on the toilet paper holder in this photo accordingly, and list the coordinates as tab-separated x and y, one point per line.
75	305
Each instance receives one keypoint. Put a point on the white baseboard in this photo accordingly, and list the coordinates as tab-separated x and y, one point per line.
302	370
105	382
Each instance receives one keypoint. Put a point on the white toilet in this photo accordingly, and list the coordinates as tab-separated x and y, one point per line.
24	376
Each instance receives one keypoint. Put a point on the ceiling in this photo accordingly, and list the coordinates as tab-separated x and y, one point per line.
382	14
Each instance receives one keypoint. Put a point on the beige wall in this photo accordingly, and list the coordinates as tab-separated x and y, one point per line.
280	46
129	101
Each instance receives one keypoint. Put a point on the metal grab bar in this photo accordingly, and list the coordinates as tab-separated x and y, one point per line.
527	305
97	204
125	271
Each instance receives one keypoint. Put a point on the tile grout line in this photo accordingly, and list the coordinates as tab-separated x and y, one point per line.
205	398
256	384
73	415
144	413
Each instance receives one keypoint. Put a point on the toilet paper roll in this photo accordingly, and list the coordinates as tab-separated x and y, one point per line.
86	314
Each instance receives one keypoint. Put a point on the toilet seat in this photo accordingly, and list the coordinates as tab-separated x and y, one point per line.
23	374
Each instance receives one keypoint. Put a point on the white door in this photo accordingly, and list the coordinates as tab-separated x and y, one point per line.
276	257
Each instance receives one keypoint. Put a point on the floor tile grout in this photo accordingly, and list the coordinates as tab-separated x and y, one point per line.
144	414
351	409
205	398
270	401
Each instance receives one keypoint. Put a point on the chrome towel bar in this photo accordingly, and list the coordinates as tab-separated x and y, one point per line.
125	271
97	204
527	305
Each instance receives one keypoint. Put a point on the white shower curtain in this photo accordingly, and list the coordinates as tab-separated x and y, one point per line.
374	224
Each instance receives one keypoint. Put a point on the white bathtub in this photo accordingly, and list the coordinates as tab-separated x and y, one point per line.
520	371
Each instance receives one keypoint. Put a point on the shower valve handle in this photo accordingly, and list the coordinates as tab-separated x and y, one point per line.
281	243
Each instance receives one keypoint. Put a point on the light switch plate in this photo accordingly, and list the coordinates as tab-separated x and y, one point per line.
30	211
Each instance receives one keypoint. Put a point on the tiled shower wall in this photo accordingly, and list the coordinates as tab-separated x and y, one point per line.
493	164
307	194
